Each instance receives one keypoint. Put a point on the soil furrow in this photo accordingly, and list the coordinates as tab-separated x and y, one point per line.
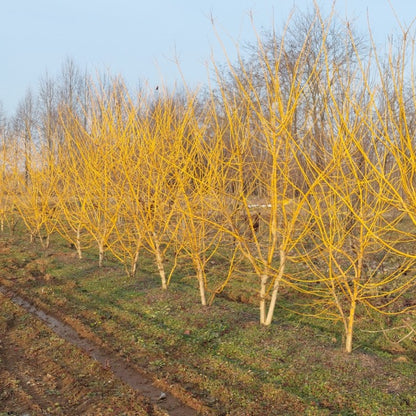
110	361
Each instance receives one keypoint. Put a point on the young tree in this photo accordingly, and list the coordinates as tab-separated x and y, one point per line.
163	128
358	257
92	168
266	217
194	175
34	176
35	199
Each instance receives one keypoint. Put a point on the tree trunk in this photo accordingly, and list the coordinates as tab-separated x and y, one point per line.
159	262
349	328
276	288
354	294
78	243
263	283
201	280
42	241
45	241
134	264
100	254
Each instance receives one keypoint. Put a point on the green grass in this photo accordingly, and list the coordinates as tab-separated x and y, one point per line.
220	354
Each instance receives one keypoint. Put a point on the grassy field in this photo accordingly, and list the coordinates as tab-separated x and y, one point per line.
219	355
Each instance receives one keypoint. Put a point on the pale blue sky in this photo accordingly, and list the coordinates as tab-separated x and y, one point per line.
139	39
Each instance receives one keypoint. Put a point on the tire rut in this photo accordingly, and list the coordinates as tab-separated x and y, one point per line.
118	366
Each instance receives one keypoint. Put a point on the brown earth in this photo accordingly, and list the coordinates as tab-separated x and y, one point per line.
42	373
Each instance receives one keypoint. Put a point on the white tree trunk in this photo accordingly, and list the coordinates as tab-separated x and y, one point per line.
276	288
159	263
133	270
78	243
201	280
100	254
350	328
263	282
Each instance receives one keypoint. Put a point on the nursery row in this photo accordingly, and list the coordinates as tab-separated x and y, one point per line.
297	166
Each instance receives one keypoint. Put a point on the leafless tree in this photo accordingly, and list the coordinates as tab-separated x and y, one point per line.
24	126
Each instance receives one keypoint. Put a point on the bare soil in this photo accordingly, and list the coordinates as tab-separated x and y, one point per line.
46	367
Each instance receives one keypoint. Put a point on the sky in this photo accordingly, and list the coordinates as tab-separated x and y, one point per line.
144	40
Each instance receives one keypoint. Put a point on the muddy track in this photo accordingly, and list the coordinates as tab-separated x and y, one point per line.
119	367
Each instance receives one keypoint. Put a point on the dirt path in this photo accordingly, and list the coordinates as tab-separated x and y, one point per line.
14	363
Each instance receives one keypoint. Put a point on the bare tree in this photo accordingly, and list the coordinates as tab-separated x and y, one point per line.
24	127
312	56
48	112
